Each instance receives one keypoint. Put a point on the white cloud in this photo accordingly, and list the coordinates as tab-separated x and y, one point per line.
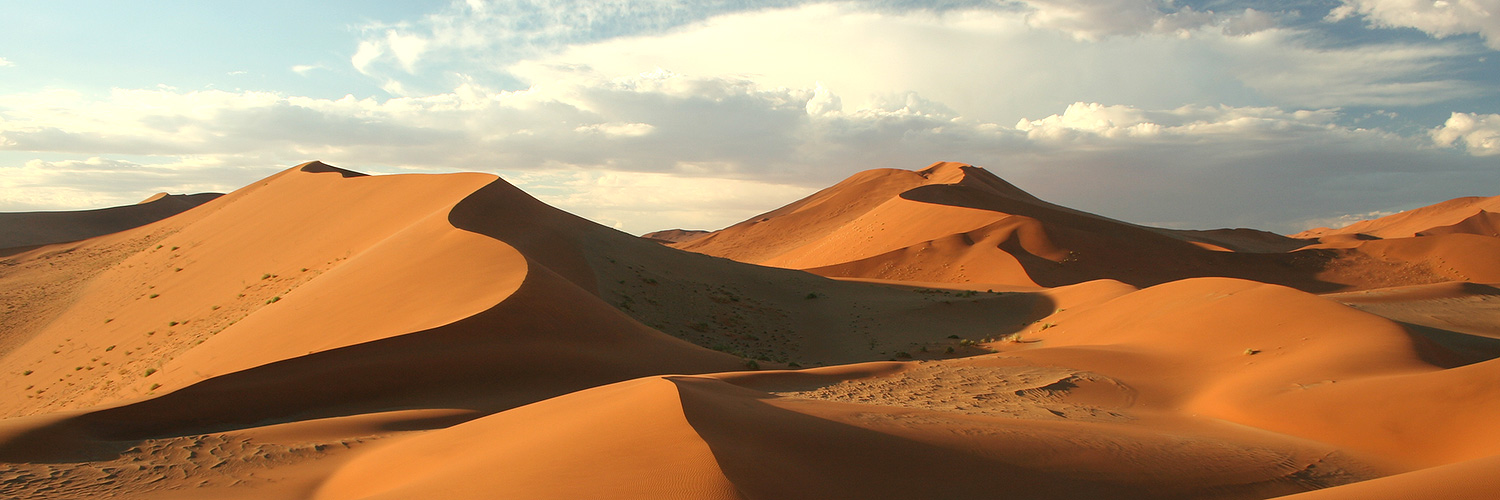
644	202
994	66
1439	18
97	182
1479	133
1098	19
1124	122
599	144
5	62
304	69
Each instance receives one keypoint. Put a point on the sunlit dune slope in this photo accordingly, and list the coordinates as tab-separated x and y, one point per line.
957	223
1473	214
1286	361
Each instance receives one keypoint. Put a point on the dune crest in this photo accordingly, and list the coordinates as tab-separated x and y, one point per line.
937	333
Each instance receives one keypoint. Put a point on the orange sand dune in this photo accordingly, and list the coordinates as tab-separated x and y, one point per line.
693	437
29	229
961	224
674	235
1467	214
400	308
330	335
1285	361
1471	480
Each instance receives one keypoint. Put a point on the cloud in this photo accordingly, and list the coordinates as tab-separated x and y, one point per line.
625	200
994	65
304	69
5	62
600	143
97	182
1098	19
1479	133
1440	18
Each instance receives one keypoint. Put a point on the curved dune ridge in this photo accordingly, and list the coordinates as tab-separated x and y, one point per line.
958	223
1465	213
324	334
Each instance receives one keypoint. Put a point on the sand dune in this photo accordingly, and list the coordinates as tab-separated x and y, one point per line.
1410	223
674	235
323	334
30	229
956	223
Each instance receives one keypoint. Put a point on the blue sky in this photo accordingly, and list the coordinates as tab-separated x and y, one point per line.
1280	114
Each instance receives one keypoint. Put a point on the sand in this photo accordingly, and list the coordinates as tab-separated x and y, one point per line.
939	333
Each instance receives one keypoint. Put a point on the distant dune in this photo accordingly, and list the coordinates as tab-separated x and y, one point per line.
674	235
28	229
957	223
324	334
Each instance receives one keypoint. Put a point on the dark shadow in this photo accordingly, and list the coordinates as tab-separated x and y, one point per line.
1450	349
319	167
1105	248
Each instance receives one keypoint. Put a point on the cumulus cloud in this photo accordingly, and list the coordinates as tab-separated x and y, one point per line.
5	62
1440	18
1479	133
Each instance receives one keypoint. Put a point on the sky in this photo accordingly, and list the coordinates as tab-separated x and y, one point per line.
1277	114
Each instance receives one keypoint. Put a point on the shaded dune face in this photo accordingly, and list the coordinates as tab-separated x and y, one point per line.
25	230
323	334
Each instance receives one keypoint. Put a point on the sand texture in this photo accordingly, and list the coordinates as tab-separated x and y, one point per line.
938	333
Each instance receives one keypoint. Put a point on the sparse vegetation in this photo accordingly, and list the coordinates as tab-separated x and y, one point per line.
811	295
150	371
265	276
154	386
751	364
273	300
154	295
1252	352
110	348
27	372
903	355
171	323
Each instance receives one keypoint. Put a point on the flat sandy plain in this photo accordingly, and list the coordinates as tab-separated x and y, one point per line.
927	334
